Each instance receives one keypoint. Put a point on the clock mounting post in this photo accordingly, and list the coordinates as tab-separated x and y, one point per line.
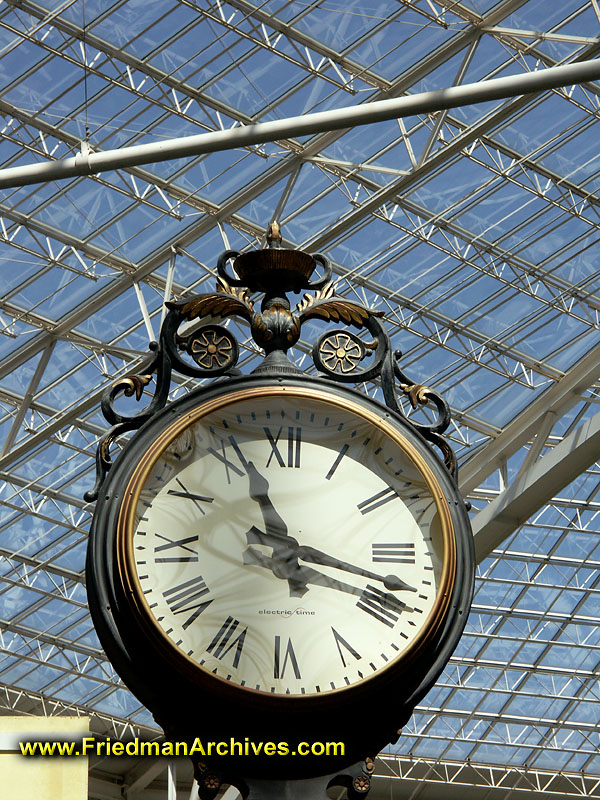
277	555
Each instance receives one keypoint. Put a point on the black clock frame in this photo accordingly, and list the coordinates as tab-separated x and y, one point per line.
366	717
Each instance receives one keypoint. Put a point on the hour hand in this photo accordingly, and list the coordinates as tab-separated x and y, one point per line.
298	578
259	492
314	556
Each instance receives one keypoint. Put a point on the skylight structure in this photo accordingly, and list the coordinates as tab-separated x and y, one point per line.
476	230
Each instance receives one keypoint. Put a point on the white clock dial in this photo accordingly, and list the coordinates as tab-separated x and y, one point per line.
289	544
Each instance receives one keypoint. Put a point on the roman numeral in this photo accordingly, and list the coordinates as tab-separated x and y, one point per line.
381	605
379	499
336	463
395	553
195	498
225	640
294	439
182	598
341	642
169	543
278	668
229	465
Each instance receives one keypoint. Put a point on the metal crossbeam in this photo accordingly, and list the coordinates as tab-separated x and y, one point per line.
15	700
258	186
89	163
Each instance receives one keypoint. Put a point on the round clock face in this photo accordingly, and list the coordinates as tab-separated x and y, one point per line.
287	541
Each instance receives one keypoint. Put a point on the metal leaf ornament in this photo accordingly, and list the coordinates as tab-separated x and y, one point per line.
225	302
324	305
275	327
130	385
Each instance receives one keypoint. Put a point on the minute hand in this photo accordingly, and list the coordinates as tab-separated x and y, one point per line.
314	556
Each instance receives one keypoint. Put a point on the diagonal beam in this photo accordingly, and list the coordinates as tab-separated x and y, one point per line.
158	76
404	775
559	397
20	700
52	639
353	68
26	401
45	491
557	286
138	782
536	486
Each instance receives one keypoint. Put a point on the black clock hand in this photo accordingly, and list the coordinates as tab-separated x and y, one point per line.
314	556
259	491
284	561
304	574
297	577
287	550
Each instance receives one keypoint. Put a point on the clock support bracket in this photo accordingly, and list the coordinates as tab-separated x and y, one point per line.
196	341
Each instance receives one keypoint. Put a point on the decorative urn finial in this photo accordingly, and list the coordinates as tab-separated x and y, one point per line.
274	237
274	269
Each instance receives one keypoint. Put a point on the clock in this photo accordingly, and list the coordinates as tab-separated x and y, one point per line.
274	549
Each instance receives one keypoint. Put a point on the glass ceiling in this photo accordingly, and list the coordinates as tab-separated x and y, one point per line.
476	230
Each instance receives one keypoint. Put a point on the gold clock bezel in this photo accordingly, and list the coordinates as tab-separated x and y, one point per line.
127	572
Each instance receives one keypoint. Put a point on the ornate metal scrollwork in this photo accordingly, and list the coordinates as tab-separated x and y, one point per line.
419	396
214	351
211	350
338	354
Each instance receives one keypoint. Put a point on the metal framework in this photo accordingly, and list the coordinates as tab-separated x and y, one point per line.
474	229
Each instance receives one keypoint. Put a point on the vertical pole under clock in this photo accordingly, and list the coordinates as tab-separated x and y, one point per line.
307	789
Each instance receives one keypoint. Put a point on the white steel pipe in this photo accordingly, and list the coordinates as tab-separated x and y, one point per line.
89	163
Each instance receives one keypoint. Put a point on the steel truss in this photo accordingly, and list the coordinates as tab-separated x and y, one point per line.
411	212
482	780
